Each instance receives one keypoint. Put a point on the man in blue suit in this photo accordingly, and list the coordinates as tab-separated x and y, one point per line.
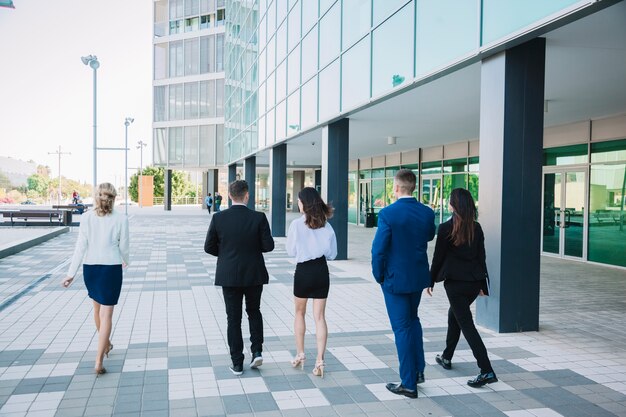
400	265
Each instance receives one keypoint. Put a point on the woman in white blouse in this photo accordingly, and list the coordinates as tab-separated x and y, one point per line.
311	239
102	247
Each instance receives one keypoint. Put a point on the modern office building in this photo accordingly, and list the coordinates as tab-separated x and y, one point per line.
523	102
188	80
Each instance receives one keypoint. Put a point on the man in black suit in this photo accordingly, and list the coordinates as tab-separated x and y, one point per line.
238	237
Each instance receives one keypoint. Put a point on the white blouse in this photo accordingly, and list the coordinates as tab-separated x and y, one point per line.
102	240
305	243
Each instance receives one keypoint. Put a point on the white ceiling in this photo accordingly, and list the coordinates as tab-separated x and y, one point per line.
585	79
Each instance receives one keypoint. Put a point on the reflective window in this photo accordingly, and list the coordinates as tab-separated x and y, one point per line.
192	56
261	132
176	9
329	94
502	17
219	97
330	35
281	10
281	81
207	54
455	165
270	135
207	98
221	17
219	139
192	24
191	100
356	75
294	27
293	113
431	167
325	4
207	145
176	59
160	103
271	54
281	118
176	102
271	18
443	36
219	52
309	14
160	61
262	32
262	104
357	18
309	55
175	144
192	7
160	146
191	146
262	67
612	151
281	43
271	90
382	9
293	73
309	103
565	155
393	52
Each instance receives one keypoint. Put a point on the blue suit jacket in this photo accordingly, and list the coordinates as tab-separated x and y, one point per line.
399	259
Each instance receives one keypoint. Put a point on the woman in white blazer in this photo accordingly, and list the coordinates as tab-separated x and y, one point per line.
103	249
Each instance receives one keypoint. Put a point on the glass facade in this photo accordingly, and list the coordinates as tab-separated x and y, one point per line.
188	83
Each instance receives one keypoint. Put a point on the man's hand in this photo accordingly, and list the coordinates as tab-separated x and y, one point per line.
429	291
67	282
481	293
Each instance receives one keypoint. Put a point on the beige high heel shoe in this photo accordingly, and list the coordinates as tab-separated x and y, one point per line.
110	348
298	361
319	369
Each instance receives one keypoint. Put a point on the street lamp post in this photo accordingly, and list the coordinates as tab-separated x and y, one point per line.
93	62
59	153
127	123
140	145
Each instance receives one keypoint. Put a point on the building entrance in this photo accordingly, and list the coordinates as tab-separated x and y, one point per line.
365	200
431	194
565	217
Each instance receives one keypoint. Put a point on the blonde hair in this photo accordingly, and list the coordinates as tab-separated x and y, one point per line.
105	199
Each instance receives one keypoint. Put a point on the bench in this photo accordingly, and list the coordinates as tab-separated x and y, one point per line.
607	216
74	208
25	215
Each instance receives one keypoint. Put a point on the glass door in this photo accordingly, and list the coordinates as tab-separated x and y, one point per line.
564	213
365	200
431	195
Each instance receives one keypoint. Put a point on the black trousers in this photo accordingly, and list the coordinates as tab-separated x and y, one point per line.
233	299
461	295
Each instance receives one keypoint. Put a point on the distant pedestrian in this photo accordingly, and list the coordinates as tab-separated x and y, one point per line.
400	265
208	201
239	237
75	197
103	249
311	240
459	261
218	201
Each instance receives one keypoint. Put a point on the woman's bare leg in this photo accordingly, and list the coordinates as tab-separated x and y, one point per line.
299	326
96	314
106	319
321	330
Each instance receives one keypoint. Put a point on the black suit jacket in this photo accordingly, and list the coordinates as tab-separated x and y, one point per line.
238	237
461	263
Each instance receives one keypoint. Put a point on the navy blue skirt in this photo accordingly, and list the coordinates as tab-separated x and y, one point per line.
104	283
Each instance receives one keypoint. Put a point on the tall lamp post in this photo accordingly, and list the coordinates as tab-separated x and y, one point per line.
93	62
140	145
59	153
127	123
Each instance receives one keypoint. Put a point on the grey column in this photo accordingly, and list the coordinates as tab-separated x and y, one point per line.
278	205
511	144
335	179
167	192
249	168
298	185
209	184
232	176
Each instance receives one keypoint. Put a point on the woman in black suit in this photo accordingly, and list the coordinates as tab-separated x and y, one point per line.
460	260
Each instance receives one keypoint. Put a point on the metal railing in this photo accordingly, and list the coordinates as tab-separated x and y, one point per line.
178	201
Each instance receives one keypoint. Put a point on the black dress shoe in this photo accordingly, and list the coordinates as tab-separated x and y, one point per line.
257	360
398	389
482	379
236	369
420	378
446	363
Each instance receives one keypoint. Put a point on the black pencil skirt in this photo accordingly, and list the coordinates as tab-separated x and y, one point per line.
311	279
104	283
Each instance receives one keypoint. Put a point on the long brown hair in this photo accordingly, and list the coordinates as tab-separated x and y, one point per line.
315	210
464	216
105	199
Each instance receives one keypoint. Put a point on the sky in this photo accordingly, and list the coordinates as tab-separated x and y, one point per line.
46	93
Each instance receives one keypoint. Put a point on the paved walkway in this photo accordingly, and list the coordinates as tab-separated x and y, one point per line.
171	358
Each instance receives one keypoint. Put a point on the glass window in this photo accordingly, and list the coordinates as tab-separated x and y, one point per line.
270	134
192	24
612	151
607	218
378	173
221	17
443	36
393	52
365	174
431	167
261	132
281	81
565	155
271	54
176	9
355	75
450	182
293	113
262	66
271	18
281	10
271	90
281	43
262	32
205	21
352	199
219	97
175	144
191	56
219	139
378	194
191	146
382	9
329	95
308	113
219	53
176	26
262	97
160	145
207	6
191	100
474	163
294	27
207	54
281	117
160	61
502	17
160	10
357	16
330	35
309	14
309	55
176	59
324	5
207	98
207	145
293	73
176	102
160	103
455	165
192	7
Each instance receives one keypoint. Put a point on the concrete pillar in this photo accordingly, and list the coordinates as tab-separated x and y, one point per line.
278	205
249	168
209	184
335	141
511	146
298	185
232	176
167	192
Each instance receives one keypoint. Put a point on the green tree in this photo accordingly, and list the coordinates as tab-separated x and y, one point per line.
180	183
39	184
